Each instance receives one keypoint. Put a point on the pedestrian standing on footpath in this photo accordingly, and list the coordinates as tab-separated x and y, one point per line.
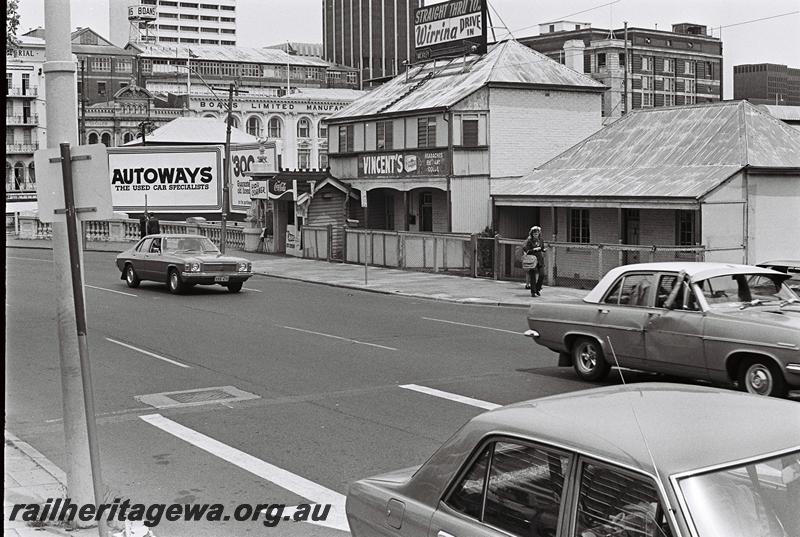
143	221
153	225
533	259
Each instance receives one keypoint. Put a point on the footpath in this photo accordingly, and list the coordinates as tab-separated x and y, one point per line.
30	478
429	285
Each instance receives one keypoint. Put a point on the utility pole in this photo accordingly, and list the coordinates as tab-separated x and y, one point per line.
227	173
84	483
83	102
625	76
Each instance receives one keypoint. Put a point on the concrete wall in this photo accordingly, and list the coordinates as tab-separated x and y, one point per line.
529	127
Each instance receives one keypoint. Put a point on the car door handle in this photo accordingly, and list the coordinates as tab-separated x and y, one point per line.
603	311
443	533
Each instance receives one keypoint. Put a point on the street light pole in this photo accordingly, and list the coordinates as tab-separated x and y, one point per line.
227	173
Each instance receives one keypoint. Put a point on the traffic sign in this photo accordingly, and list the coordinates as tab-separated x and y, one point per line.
92	190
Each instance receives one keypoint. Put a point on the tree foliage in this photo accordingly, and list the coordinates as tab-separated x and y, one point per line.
12	23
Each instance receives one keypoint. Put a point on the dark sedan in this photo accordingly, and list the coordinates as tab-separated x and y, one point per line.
643	460
182	261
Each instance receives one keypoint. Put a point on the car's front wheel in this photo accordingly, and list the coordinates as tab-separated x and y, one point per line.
235	287
131	278
588	359
762	377
174	282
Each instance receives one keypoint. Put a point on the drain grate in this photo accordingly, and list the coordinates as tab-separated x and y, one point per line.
196	397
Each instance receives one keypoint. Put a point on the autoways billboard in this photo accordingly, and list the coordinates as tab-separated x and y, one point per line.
174	178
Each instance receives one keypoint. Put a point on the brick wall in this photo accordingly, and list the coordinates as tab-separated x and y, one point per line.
529	127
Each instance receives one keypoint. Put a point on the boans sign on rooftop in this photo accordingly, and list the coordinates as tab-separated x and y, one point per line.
450	29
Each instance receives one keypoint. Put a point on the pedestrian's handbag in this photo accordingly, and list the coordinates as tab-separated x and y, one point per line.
529	261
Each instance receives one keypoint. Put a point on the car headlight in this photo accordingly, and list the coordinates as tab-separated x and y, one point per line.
244	266
192	267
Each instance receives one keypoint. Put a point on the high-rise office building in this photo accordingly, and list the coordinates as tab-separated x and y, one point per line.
767	83
374	36
204	22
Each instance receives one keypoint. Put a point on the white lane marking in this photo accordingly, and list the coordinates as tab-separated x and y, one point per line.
148	353
110	290
280	477
249	289
27	258
451	396
339	337
472	325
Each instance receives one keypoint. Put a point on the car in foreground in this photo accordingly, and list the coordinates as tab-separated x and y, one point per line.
181	261
642	460
788	266
724	323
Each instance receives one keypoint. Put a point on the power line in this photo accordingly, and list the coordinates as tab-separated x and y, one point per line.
757	20
501	19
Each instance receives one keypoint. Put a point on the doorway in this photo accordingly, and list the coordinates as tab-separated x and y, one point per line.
631	226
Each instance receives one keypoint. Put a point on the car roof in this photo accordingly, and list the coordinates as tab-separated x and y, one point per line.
781	263
175	235
695	270
686	427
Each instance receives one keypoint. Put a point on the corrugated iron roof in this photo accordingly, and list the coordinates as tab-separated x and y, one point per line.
784	113
195	130
228	54
664	152
439	84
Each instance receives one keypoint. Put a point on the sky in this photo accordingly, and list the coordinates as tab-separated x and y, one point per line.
776	40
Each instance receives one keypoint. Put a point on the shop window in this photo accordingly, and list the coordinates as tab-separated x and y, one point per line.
469	131
274	128
426	132
579	225
384	132
304	128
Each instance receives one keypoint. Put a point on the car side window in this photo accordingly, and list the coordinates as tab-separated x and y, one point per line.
144	245
666	283
635	290
523	496
613	295
155	248
467	496
524	489
612	501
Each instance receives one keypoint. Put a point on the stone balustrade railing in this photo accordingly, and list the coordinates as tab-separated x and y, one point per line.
127	230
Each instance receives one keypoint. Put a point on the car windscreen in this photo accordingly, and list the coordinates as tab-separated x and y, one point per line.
189	244
759	498
751	289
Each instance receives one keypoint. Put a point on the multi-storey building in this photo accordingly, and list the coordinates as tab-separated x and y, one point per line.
25	121
767	83
179	69
374	36
664	68
202	22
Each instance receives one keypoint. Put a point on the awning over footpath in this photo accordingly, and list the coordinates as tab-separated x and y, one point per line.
674	156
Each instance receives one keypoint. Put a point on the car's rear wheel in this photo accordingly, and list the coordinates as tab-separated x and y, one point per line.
174	282
235	287
761	377
588	359
130	276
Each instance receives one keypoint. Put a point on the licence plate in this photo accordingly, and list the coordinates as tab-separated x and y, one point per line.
220	278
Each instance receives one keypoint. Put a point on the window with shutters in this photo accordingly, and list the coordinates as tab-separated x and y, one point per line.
426	132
